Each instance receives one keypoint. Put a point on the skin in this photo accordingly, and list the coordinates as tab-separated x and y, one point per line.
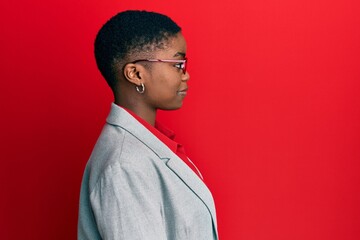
165	85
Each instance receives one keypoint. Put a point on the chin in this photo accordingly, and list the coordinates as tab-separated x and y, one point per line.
169	108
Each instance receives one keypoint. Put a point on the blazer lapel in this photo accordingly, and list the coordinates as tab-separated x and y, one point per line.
194	183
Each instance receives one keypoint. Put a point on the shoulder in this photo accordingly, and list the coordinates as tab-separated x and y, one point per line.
118	154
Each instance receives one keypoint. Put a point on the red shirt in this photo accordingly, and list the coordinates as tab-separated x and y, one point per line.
167	136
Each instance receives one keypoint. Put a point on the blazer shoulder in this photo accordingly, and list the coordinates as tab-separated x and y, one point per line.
119	148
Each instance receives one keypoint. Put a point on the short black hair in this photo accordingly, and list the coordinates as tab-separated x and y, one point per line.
130	32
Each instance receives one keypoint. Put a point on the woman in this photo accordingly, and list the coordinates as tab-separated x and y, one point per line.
138	182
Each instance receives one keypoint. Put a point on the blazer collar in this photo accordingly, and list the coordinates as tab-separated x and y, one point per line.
121	118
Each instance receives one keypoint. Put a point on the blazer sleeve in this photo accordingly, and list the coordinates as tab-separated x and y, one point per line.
127	204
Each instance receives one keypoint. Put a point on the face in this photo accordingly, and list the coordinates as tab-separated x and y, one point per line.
166	84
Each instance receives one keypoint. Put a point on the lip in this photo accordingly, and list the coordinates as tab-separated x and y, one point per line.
182	92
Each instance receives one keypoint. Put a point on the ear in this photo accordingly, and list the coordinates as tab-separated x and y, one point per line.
133	73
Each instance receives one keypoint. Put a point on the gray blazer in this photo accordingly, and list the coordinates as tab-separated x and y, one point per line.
135	187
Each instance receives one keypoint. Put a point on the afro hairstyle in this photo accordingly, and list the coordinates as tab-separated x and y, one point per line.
130	32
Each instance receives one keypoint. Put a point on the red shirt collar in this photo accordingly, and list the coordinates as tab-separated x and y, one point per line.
163	133
167	136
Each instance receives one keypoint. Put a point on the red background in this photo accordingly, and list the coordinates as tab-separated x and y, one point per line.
272	117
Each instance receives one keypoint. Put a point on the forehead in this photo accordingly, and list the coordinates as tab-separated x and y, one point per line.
173	46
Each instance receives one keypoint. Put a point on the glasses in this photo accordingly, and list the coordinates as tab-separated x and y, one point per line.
180	63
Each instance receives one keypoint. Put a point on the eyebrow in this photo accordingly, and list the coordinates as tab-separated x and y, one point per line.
180	54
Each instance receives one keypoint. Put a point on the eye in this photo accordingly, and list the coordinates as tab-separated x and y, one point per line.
179	65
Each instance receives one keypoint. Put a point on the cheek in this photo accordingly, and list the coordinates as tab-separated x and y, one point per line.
169	83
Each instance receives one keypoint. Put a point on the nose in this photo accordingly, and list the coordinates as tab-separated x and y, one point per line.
185	77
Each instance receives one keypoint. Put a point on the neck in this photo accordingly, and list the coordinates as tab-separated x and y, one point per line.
146	113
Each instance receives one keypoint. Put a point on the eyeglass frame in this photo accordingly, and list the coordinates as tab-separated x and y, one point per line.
183	61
